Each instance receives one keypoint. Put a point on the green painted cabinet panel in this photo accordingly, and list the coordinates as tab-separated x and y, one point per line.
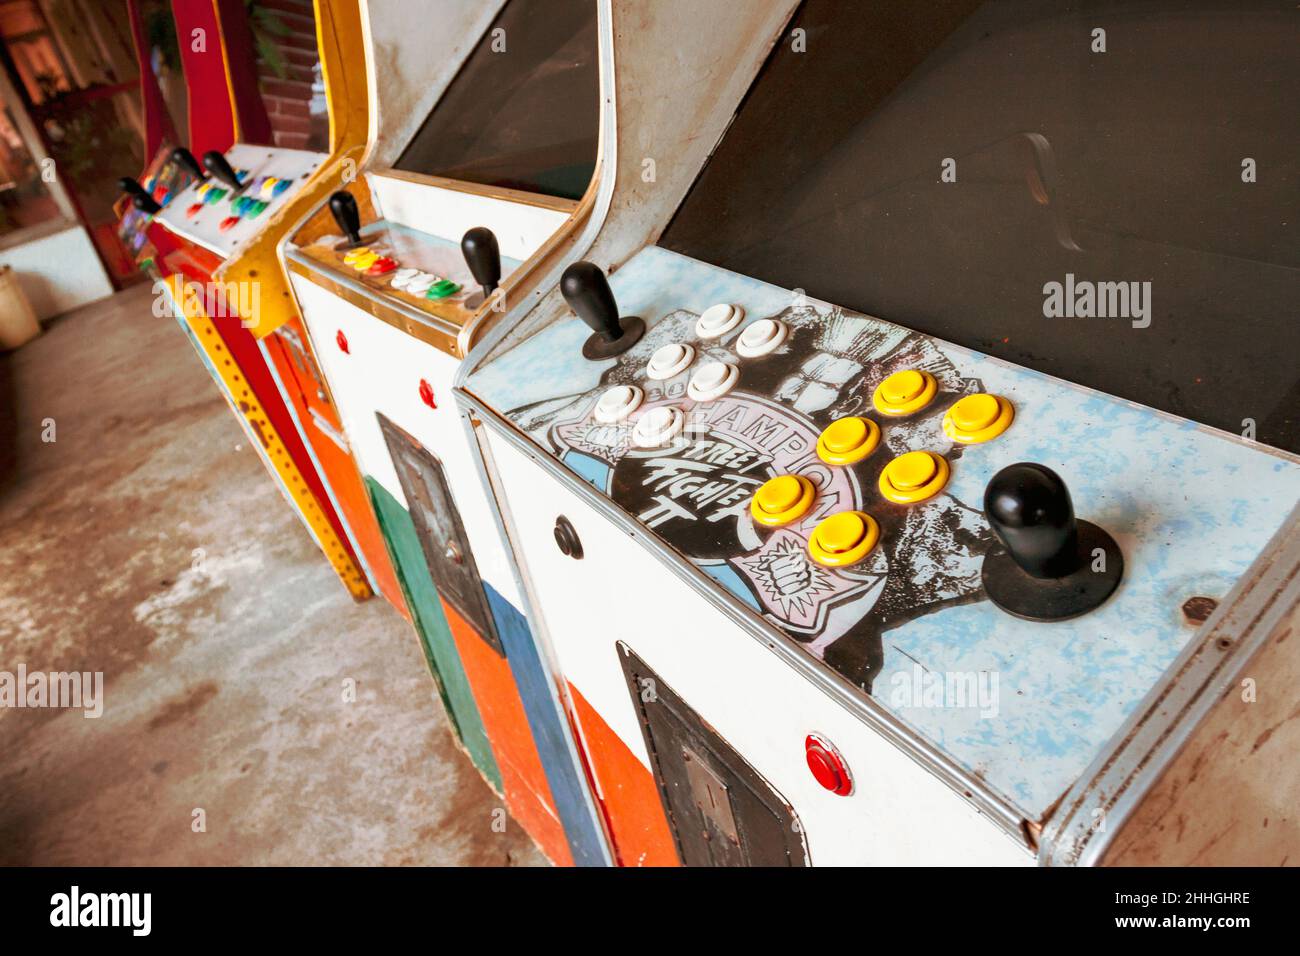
431	625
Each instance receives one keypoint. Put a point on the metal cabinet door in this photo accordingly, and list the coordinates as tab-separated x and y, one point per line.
441	532
721	811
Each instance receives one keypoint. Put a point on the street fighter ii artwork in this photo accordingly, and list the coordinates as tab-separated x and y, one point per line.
695	491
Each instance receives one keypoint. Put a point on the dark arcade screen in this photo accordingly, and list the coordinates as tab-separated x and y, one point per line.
1106	192
524	111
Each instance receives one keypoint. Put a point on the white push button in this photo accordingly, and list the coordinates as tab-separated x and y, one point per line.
616	403
402	277
712	380
421	283
763	336
658	426
670	360
718	320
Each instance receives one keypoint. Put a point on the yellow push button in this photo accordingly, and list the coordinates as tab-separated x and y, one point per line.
914	477
844	538
352	255
847	440
905	392
781	500
978	418
364	261
912	470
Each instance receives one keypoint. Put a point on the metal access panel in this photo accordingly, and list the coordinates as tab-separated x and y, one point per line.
720	809
441	532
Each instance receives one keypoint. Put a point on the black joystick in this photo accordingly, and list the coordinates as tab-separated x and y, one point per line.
587	291
216	164
140	197
483	256
1054	567
183	158
343	207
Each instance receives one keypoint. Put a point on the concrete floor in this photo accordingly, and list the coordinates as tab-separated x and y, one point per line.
147	542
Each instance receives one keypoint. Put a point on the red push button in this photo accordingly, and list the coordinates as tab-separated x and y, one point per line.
341	341
827	766
426	394
228	223
194	210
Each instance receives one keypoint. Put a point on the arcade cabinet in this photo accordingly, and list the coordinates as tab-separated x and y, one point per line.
479	175
910	476
167	174
169	170
230	291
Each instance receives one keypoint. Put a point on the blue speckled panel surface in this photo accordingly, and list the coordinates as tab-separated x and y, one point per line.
1190	509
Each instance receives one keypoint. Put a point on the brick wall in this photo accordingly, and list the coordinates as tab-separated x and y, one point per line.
288	99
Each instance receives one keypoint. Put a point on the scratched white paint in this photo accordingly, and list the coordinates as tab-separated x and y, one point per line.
898	814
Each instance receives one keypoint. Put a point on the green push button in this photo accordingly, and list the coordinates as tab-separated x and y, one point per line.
441	289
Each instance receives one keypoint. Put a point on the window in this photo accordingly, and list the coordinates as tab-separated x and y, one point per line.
71	68
24	199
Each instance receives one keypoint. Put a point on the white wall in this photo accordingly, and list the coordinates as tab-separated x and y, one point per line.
58	271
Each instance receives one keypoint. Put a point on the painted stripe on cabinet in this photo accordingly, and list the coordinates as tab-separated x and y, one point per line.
433	630
568	788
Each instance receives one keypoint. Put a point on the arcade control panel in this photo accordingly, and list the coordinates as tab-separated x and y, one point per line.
394	263
236	194
901	508
170	172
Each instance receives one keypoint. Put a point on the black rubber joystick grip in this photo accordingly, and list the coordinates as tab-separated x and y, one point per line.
483	256
146	205
1051	566
183	158
1030	510
140	197
343	207
587	291
216	164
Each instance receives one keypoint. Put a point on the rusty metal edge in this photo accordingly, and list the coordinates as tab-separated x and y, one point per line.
1140	751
